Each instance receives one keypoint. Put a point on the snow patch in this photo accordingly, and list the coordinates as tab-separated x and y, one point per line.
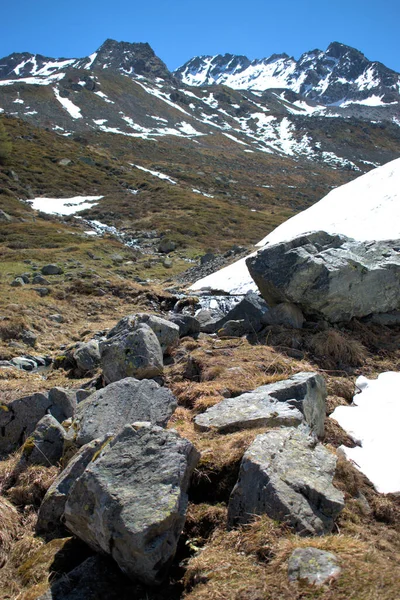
64	206
70	107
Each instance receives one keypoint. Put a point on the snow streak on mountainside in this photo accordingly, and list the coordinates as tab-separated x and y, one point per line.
338	76
367	208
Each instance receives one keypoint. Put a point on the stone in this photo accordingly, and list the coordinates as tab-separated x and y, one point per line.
313	566
130	502
19	418
64	162
42	291
246	412
132	354
166	246
285	313
40	280
234	329
53	504
63	403
208	257
5	217
386	319
125	401
187	324
57	318
28	337
251	309
287	475
26	364
87	355
45	445
18	282
97	578
166	331
52	270
305	391
330	276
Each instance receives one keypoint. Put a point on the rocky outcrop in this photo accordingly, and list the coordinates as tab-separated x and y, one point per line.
251	309
166	331
87	355
108	410
287	475
130	502
332	276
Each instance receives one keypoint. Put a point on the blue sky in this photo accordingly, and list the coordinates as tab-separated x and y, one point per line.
178	30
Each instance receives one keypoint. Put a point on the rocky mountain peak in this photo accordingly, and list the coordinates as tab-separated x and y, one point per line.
131	58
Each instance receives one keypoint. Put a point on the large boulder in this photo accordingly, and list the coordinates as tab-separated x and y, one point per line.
330	275
287	475
187	324
130	502
108	410
53	504
250	309
131	353
19	418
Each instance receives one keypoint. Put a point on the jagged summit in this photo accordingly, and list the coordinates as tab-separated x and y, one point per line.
338	75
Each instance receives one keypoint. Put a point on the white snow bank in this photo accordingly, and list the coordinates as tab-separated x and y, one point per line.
373	422
155	173
69	106
64	206
367	208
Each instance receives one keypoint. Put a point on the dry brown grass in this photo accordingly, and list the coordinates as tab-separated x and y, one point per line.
10	527
30	485
336	350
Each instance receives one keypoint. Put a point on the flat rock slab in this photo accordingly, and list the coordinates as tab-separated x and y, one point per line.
300	398
108	410
255	409
313	566
131	501
287	475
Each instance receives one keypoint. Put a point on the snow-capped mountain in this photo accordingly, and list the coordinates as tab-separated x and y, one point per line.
125	89
339	76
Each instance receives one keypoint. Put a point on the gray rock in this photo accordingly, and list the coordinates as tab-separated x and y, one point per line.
166	331
42	291
45	445
63	403
132	354
251	309
314	566
187	324
25	277
19	418
39	280
234	329
122	402
64	162
26	364
57	318
285	313
166	246
28	337
51	270
6	364
97	578
53	504
305	391
131	501
287	475
18	282
87	355
387	319
330	275
255	409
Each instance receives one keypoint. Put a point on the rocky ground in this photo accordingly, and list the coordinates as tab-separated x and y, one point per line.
222	552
